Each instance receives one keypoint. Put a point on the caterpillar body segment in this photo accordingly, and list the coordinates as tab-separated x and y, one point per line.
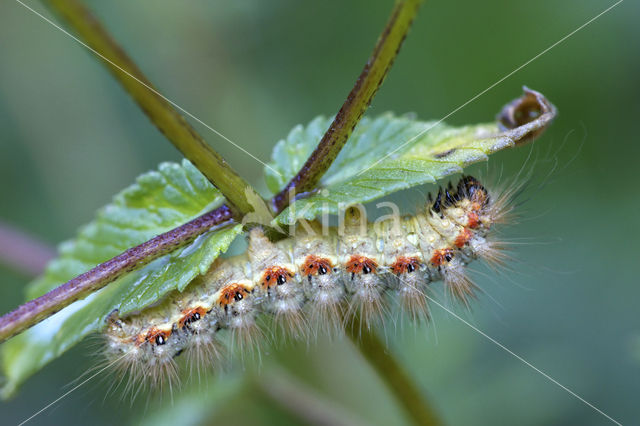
324	290
312	281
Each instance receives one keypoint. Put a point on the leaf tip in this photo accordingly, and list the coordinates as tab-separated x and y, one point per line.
527	116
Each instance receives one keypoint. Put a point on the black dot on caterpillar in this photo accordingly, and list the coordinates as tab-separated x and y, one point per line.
313	282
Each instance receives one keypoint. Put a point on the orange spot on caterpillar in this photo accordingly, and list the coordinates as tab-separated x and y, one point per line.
441	256
473	220
154	336
191	315
139	339
402	265
315	265
463	238
275	275
361	264
232	292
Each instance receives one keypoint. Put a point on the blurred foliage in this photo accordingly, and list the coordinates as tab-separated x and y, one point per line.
71	139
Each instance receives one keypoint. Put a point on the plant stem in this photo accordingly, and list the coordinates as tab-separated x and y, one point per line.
81	286
158	108
304	402
22	252
365	88
396	378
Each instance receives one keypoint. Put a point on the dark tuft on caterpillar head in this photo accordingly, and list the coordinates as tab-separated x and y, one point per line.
437	205
471	188
468	188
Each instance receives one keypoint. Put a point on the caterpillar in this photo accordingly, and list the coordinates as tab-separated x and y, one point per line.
312	281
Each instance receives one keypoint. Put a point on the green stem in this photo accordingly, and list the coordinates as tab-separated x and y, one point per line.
308	405
22	252
358	100
396	378
158	108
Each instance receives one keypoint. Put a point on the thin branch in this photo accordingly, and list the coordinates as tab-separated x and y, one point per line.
158	108
81	286
396	378
367	85
304	402
23	252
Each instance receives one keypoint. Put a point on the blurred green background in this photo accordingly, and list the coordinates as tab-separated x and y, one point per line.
71	138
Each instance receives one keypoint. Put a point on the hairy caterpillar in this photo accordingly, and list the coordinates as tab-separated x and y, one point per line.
313	281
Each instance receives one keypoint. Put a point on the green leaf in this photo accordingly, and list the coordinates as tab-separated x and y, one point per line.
159	201
386	154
